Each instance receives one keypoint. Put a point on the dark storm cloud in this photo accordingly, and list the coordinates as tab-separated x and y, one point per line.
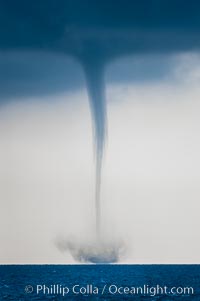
37	73
91	31
75	26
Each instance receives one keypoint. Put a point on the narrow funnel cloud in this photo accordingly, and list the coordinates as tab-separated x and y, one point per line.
96	91
98	248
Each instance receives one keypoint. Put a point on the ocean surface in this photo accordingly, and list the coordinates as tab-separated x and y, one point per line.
99	282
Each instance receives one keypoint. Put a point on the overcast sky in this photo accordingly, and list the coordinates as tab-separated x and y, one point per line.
150	184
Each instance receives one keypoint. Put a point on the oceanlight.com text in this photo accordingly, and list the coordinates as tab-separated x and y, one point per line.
108	289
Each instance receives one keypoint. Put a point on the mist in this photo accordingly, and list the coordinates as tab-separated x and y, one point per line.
150	189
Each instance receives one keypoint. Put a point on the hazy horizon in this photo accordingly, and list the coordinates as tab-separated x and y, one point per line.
150	180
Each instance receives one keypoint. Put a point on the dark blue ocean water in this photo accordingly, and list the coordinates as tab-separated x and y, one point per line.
99	282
